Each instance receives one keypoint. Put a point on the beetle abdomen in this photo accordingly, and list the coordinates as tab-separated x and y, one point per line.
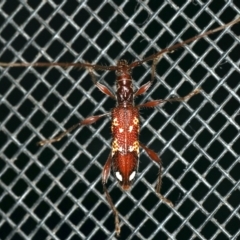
125	144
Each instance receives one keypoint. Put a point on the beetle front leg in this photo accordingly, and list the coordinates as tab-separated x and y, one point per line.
105	175
156	158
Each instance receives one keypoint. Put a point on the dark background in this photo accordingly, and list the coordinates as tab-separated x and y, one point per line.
55	192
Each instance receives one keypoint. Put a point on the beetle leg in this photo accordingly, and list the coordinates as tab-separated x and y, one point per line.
105	175
86	121
155	103
156	158
100	86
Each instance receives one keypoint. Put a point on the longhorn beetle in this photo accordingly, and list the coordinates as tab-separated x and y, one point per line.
124	154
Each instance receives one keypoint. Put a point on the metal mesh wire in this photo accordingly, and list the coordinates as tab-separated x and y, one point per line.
55	192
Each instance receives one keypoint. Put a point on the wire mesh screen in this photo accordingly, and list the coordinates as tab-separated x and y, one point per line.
55	191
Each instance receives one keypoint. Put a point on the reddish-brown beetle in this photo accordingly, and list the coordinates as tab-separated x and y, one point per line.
125	127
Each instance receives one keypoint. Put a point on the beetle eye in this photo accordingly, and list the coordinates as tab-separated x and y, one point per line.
132	175
119	176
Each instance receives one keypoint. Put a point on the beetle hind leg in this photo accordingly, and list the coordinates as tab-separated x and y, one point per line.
156	159
158	188
115	212
105	175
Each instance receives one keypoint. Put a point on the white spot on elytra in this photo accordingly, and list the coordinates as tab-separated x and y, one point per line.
119	176
120	130
131	148
130	129
135	121
132	175
120	149
115	122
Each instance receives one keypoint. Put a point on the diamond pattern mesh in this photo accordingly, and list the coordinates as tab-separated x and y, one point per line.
55	192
